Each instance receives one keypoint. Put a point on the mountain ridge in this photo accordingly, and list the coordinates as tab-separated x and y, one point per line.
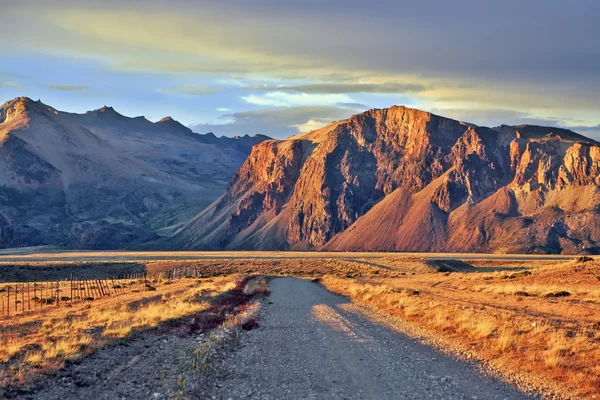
101	179
329	188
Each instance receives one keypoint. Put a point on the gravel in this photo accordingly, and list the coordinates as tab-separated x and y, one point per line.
313	344
308	344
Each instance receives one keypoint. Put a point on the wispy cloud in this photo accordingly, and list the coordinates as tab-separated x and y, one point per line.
10	75
68	87
11	84
283	99
587	128
310	125
277	122
591	131
333	88
190	90
512	61
496	116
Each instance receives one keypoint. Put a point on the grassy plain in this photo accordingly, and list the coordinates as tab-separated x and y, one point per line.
536	324
533	320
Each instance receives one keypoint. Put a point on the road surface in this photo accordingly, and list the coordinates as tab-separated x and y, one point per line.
313	344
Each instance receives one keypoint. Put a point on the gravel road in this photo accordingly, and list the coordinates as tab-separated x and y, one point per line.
313	344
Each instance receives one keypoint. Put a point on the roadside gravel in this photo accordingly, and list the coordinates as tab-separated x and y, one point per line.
313	344
310	344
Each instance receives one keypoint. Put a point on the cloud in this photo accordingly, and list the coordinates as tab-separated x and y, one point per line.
587	128
590	131
311	125
11	84
276	122
495	117
283	99
461	54
344	50
67	87
4	74
190	90
332	88
223	109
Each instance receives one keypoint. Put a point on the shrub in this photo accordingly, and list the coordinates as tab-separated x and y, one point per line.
562	293
249	324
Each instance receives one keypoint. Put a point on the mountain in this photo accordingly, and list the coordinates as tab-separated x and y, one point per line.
104	180
400	179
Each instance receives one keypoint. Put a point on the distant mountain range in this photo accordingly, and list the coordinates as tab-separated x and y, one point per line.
400	179
395	179
103	180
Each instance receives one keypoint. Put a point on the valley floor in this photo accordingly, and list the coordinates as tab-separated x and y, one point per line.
406	327
49	254
313	344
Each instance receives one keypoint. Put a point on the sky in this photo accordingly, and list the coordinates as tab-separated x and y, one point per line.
279	67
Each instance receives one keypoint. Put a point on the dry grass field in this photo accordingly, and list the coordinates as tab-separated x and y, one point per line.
40	342
37	343
538	325
534	322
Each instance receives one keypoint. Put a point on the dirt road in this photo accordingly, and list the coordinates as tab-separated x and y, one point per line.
313	344
310	344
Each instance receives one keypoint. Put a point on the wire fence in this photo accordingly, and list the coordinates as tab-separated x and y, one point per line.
20	297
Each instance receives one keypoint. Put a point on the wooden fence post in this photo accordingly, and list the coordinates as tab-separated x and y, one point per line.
22	297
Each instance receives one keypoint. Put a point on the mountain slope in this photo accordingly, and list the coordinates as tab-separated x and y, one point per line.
402	179
100	179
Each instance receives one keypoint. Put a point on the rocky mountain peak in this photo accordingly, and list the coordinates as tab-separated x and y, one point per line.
402	179
170	121
100	179
107	112
17	112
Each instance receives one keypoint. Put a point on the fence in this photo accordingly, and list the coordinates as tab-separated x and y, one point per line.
16	298
20	297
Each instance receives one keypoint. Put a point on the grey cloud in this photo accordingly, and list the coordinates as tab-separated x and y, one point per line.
515	40
589	131
11	84
275	122
67	87
496	117
334	88
190	90
355	106
586	128
522	54
9	75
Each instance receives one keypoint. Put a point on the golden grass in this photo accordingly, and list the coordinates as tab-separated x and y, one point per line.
591	294
483	314
546	341
44	340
